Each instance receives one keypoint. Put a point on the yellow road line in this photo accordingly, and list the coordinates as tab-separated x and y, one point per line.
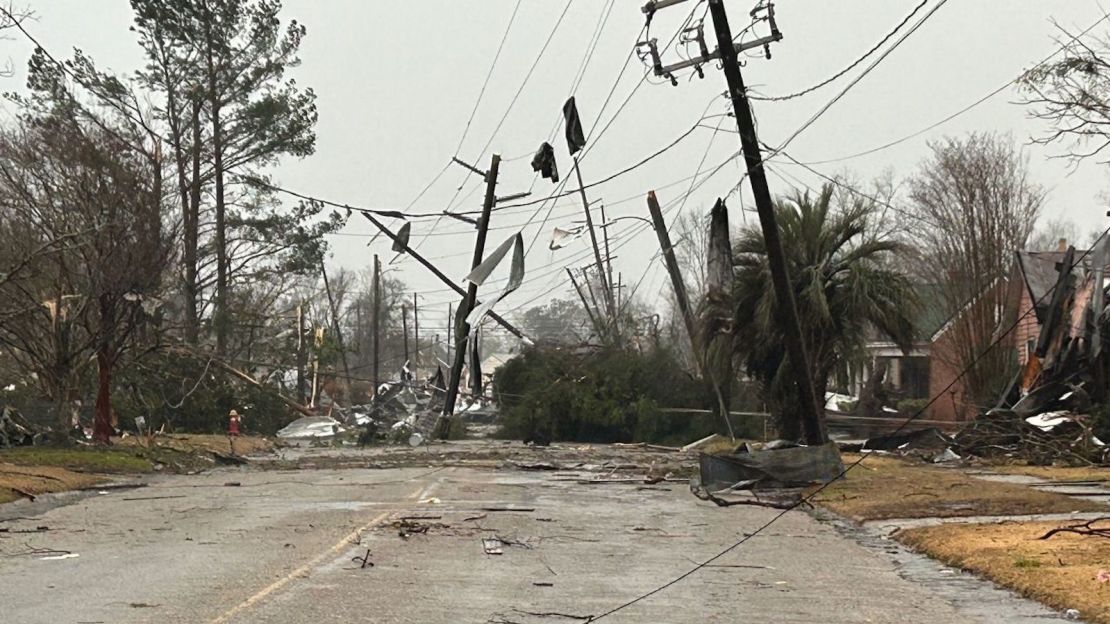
317	560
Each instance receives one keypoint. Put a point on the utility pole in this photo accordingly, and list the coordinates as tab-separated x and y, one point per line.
302	395
718	346
608	256
607	291
598	328
679	286
450	326
405	330
415	333
812	412
463	333
813	422
377	322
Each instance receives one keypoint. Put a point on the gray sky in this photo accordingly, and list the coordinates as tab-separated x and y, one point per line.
396	82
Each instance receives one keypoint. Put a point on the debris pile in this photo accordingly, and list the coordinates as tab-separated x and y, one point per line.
774	475
15	430
1046	415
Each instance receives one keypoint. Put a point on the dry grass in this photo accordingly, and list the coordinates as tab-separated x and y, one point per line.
1057	473
1059	572
886	487
19	481
208	443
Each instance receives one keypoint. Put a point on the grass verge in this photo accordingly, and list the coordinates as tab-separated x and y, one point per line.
1060	572
78	459
887	487
23	481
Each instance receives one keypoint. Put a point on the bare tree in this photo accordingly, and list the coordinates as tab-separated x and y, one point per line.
62	178
1072	94
977	207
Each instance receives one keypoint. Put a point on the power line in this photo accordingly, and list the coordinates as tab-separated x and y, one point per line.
489	74
821	111
853	65
806	499
963	110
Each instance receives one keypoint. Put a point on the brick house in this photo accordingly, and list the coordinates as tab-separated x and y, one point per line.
927	369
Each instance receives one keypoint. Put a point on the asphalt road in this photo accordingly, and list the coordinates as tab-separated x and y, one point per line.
279	548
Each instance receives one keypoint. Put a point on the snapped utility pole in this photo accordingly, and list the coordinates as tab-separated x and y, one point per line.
463	332
338	331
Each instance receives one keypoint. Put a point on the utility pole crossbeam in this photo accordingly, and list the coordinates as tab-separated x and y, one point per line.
463	333
812	420
439	274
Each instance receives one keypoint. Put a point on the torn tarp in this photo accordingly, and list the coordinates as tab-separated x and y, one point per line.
561	238
769	469
516	276
544	162
576	138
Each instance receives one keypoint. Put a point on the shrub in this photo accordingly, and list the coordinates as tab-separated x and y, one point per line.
606	395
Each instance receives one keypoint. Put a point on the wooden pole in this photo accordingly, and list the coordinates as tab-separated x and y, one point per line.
718	347
377	323
415	333
405	330
589	311
301	353
593	242
443	426
679	286
812	410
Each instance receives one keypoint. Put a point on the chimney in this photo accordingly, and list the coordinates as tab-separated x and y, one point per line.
1062	245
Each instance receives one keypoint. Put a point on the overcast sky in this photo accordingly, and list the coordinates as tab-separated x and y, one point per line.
396	82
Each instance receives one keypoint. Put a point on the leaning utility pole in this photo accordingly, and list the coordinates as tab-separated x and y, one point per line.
450	326
812	412
463	332
681	298
813	422
377	322
606	290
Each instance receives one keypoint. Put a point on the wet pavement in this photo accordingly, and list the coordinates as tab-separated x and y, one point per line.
280	546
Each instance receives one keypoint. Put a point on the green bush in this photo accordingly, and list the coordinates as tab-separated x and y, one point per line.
607	395
911	407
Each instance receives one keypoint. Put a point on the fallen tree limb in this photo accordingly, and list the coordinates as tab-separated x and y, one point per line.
1087	529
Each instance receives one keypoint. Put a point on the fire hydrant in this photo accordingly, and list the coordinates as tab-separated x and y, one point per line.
233	423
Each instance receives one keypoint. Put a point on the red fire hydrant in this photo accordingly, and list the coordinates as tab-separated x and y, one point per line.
233	423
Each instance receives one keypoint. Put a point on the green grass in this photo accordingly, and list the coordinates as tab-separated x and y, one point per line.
109	461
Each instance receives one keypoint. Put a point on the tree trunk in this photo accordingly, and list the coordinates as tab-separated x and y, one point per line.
222	318
192	235
102	423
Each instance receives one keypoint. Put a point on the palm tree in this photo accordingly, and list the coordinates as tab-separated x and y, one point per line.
844	287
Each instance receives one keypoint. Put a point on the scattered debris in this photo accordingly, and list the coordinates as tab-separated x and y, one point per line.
543	584
930	439
492	546
364	561
68	555
1087	529
311	427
